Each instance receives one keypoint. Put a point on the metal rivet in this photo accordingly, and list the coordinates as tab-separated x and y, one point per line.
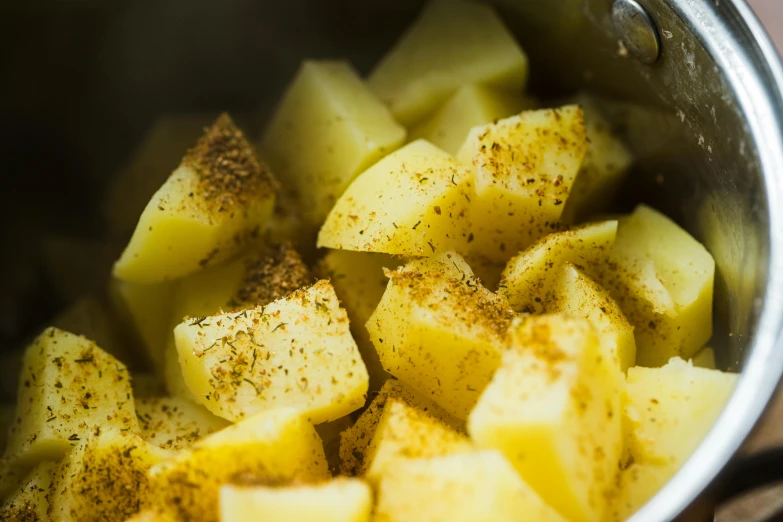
636	30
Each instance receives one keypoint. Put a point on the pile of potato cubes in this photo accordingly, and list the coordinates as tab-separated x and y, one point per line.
468	342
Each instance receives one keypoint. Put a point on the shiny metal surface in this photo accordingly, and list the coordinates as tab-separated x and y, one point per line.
83	80
636	30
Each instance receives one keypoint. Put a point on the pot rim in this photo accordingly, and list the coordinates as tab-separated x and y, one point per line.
755	72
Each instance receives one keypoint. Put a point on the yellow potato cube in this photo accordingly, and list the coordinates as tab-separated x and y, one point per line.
471	106
672	408
103	478
413	203
553	409
294	352
155	157
439	331
404	432
145	310
273	447
359	283
328	128
467	487
637	484
451	43
255	279
28	502
530	279
69	387
339	500
704	358
603	169
11	476
666	293
580	296
175	423
213	206
524	167
152	515
354	441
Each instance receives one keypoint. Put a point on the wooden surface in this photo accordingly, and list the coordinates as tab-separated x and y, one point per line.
765	505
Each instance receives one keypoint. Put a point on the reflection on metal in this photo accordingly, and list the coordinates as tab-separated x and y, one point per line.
636	31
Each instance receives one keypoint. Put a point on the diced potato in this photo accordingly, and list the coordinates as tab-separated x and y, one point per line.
524	167
90	317
468	487
636	485
152	515
470	106
28	502
580	296
76	266
487	271
530	279
294	352
402	432
451	43
603	169
553	409
146	385
671	409
174	422
213	206
359	282
439	331
413	202
11	476
704	358
103	478
255	279
7	414
156	156
273	447
145	311
69	387
328	128
339	500
662	278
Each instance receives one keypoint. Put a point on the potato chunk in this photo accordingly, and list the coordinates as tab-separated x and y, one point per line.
69	386
666	293
553	409
255	279
339	500
671	409
603	169
413	202
273	447
530	279
403	432
470	106
328	128
211	207
637	484
524	167
154	158
28	502
174	422
468	487
145	310
294	352
451	43
439	331
104	478
580	296
359	283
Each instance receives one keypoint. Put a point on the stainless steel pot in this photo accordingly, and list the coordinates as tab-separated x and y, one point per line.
703	114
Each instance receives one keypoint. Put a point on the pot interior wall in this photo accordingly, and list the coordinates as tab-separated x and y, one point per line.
83	80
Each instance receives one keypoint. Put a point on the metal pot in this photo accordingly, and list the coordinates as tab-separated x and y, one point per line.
702	110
